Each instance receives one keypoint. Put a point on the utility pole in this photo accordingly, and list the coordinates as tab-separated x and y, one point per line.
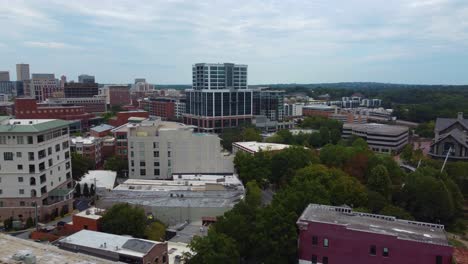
446	158
36	220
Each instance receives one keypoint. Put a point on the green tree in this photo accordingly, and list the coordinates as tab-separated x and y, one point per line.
117	164
80	166
407	153
379	181
397	212
124	219
335	135
286	162
348	190
85	190
251	134
155	231
78	190
92	190
215	248
376	201
325	135
29	222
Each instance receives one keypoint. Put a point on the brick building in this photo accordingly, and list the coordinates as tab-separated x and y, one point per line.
318	110
90	219
162	107
122	117
329	234
101	130
118	95
79	90
89	147
90	104
27	108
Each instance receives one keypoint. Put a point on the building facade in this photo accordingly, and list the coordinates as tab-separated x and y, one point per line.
35	168
119	95
84	78
22	72
269	103
74	90
330	234
157	149
379	137
4	76
318	110
44	86
90	104
89	147
219	97
451	138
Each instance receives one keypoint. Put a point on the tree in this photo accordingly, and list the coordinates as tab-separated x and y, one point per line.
335	135
86	190
376	202
29	222
407	153
92	190
118	165
251	134
379	181
80	166
348	190
325	135
215	248
285	163
155	231
78	190
397	212
124	219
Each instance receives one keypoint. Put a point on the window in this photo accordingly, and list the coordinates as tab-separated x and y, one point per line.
156	172
168	154
21	191
169	145
30	156
67	165
20	179
142	153
438	259
325	242
155	144
41	154
132	163
22	203
18	154
325	260
156	154
41	166
49	151
314	240
314	259
8	156
156	163
142	163
67	154
20	167
40	138
142	172
385	252
50	162
32	169
57	148
65	145
373	250
30	140
131	154
168	163
19	140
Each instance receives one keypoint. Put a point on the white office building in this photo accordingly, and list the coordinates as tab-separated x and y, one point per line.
379	137
35	168
157	149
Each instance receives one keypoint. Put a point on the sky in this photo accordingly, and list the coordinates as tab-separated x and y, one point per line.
284	41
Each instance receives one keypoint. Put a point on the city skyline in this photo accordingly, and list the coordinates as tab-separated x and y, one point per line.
417	42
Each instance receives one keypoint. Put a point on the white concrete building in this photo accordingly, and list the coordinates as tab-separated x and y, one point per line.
379	137
294	109
179	108
253	147
35	167
157	149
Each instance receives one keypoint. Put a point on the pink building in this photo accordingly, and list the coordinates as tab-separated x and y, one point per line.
329	234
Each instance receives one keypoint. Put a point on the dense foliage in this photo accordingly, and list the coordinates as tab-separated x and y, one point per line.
341	174
118	165
244	133
124	219
80	165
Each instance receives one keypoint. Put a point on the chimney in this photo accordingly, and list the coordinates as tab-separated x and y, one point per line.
460	116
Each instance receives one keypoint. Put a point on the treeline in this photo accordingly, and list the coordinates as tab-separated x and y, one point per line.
340	174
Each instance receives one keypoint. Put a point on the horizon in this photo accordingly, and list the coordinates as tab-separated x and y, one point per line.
417	42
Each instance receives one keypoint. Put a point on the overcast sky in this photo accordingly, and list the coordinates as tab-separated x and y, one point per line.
284	41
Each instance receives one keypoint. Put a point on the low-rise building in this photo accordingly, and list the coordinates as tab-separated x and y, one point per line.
89	219
101	130
121	118
35	168
451	137
184	197
116	248
253	147
318	110
89	147
90	104
379	137
331	234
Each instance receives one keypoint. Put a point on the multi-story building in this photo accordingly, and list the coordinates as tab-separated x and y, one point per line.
379	137
4	76
89	147
116	95
101	130
35	168
331	234
83	78
371	103
122	118
156	149
451	137
27	108
161	107
219	97
12	89
90	104
44	86
268	103
22	72
318	110
73	90
121	141
180	106
293	109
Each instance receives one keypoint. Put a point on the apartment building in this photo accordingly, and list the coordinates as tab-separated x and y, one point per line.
332	234
269	103
157	149
379	137
45	85
35	168
89	147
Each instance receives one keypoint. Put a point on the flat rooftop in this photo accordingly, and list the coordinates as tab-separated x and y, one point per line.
92	213
102	178
372	223
83	140
30	125
253	146
374	128
45	253
112	243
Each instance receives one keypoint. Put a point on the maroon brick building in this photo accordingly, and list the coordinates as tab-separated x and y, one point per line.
122	117
119	95
329	234
162	107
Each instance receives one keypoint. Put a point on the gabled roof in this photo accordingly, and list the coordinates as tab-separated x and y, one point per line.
456	134
443	123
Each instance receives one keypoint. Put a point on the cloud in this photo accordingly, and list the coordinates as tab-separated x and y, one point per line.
49	45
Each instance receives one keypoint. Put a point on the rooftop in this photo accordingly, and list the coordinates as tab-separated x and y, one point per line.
102	128
92	213
176	250
29	125
372	223
102	178
112	243
86	140
374	128
44	253
254	146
